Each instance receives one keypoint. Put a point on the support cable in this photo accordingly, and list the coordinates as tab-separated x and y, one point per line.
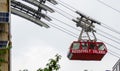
111	52
79	30
114	54
109	38
104	25
110	44
108	6
108	34
65	23
70	32
110	28
63	12
64	4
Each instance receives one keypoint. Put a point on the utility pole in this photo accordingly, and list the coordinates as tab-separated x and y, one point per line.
5	35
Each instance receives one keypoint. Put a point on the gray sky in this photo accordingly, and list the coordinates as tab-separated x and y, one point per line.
33	46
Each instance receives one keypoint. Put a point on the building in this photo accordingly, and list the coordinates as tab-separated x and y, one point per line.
116	67
5	43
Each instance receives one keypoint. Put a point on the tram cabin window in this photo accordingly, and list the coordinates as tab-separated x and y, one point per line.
92	45
84	45
101	46
76	46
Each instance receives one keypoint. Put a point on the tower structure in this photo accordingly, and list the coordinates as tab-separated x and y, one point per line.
5	36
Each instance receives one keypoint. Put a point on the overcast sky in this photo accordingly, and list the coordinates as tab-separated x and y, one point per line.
33	45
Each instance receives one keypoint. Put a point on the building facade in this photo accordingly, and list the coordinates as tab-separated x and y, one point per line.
116	67
5	43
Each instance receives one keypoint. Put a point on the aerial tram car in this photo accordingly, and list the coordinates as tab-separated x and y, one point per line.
86	49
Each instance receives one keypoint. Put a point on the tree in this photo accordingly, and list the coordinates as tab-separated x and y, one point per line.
51	66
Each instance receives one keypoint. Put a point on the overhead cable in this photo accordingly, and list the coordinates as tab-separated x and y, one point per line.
108	6
79	30
63	12
114	54
110	28
109	38
70	32
63	30
77	37
64	4
65	23
108	34
104	25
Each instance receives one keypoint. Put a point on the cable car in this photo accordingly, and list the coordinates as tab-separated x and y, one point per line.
87	50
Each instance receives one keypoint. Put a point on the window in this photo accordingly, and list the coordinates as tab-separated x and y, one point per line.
76	45
84	45
101	46
3	44
92	45
4	17
2	27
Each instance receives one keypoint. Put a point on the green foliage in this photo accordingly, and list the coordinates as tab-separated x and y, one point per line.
2	60
2	52
52	65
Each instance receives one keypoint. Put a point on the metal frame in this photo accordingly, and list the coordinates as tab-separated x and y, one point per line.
86	23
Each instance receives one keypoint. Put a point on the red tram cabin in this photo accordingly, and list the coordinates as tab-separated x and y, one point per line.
87	50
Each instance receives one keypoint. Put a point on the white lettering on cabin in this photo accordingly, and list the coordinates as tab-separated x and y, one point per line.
88	51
